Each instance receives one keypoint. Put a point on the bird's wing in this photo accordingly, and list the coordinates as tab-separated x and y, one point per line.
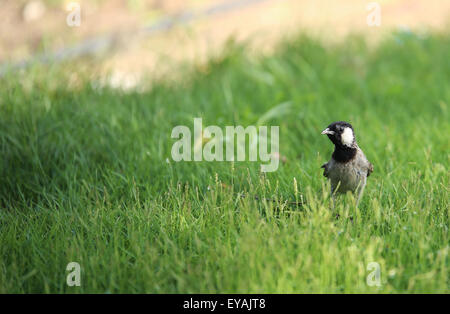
365	164
325	169
369	169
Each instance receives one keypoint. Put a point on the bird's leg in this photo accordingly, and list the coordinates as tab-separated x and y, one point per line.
333	201
360	192
332	198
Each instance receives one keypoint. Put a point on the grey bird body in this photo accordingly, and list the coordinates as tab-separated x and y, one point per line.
348	168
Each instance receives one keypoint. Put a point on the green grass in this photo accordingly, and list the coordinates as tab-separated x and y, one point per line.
84	177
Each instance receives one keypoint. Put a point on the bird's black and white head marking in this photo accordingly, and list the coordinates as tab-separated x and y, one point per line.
343	137
348	167
340	133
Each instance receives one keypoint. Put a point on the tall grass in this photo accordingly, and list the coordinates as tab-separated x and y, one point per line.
86	176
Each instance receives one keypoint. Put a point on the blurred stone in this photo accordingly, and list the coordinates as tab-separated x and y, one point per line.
33	11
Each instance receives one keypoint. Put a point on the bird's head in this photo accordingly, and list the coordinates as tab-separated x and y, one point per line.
341	134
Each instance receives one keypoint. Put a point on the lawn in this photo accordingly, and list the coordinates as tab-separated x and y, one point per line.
86	175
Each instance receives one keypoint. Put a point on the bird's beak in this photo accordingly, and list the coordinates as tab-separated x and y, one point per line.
327	131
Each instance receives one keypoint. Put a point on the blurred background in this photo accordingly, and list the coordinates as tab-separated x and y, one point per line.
127	38
87	174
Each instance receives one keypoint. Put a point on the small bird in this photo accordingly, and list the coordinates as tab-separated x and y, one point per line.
348	168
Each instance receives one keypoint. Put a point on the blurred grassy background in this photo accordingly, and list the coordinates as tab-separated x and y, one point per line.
35	27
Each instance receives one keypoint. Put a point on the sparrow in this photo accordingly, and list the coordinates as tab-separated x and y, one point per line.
348	168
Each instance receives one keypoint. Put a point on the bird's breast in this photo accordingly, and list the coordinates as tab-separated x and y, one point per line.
345	176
